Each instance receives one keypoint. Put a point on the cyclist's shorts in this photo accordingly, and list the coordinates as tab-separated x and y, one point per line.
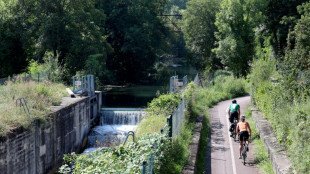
232	116
244	134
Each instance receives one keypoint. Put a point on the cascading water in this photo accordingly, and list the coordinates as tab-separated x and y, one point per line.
115	123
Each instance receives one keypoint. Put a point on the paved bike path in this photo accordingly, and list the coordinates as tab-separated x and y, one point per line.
223	154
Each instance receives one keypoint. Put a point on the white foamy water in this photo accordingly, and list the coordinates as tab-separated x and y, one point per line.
109	135
115	123
130	117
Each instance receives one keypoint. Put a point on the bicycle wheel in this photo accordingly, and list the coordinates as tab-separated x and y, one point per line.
234	135
244	160
244	153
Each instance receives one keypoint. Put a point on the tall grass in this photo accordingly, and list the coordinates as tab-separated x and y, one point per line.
288	114
260	153
39	98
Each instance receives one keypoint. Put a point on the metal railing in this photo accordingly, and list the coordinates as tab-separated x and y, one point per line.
38	77
84	84
23	103
177	85
173	83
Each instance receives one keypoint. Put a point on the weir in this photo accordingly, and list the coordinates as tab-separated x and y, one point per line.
115	123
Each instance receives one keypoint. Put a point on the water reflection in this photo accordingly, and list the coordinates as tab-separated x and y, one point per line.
156	83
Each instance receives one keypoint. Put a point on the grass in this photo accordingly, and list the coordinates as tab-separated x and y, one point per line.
203	146
261	156
39	98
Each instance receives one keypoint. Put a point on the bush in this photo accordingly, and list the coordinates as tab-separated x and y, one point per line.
157	112
122	159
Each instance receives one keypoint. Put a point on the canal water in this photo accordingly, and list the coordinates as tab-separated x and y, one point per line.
123	106
115	123
139	95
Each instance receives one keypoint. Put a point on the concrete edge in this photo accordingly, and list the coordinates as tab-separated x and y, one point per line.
280	162
191	166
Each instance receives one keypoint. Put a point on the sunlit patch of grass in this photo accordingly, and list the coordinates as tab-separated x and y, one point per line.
39	97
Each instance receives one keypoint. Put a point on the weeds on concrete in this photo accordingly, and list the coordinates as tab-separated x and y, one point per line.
39	98
260	153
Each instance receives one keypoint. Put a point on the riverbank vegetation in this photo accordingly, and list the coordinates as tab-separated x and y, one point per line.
39	98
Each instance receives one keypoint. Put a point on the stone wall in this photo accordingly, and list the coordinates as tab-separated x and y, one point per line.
41	149
280	162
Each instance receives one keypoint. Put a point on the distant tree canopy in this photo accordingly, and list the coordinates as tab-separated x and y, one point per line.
12	55
136	34
116	40
228	32
295	66
280	17
199	32
236	22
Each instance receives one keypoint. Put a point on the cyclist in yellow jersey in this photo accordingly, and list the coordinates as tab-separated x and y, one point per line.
243	126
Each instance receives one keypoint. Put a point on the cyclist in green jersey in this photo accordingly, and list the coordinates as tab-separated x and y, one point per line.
234	112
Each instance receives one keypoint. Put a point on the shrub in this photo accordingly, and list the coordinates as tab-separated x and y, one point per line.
122	159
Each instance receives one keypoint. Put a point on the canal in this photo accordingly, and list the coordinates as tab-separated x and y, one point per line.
137	96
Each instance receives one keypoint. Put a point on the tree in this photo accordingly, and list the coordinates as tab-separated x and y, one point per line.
137	35
295	66
199	28
236	22
281	16
12	54
72	28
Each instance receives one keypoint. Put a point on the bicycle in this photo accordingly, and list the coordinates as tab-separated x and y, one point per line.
244	150
234	126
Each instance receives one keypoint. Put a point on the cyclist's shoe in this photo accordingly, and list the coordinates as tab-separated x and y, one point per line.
240	157
247	148
231	135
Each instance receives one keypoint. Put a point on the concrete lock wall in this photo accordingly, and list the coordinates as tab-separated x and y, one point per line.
41	149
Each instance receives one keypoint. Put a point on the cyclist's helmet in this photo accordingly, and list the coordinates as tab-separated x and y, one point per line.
234	101
242	117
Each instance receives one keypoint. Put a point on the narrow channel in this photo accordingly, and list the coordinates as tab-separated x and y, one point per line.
123	107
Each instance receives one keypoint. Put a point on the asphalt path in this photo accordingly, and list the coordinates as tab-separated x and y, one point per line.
223	154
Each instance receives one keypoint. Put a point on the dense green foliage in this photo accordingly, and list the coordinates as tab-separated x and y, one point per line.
200	39
280	18
12	55
280	88
270	39
288	114
117	41
123	159
236	21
